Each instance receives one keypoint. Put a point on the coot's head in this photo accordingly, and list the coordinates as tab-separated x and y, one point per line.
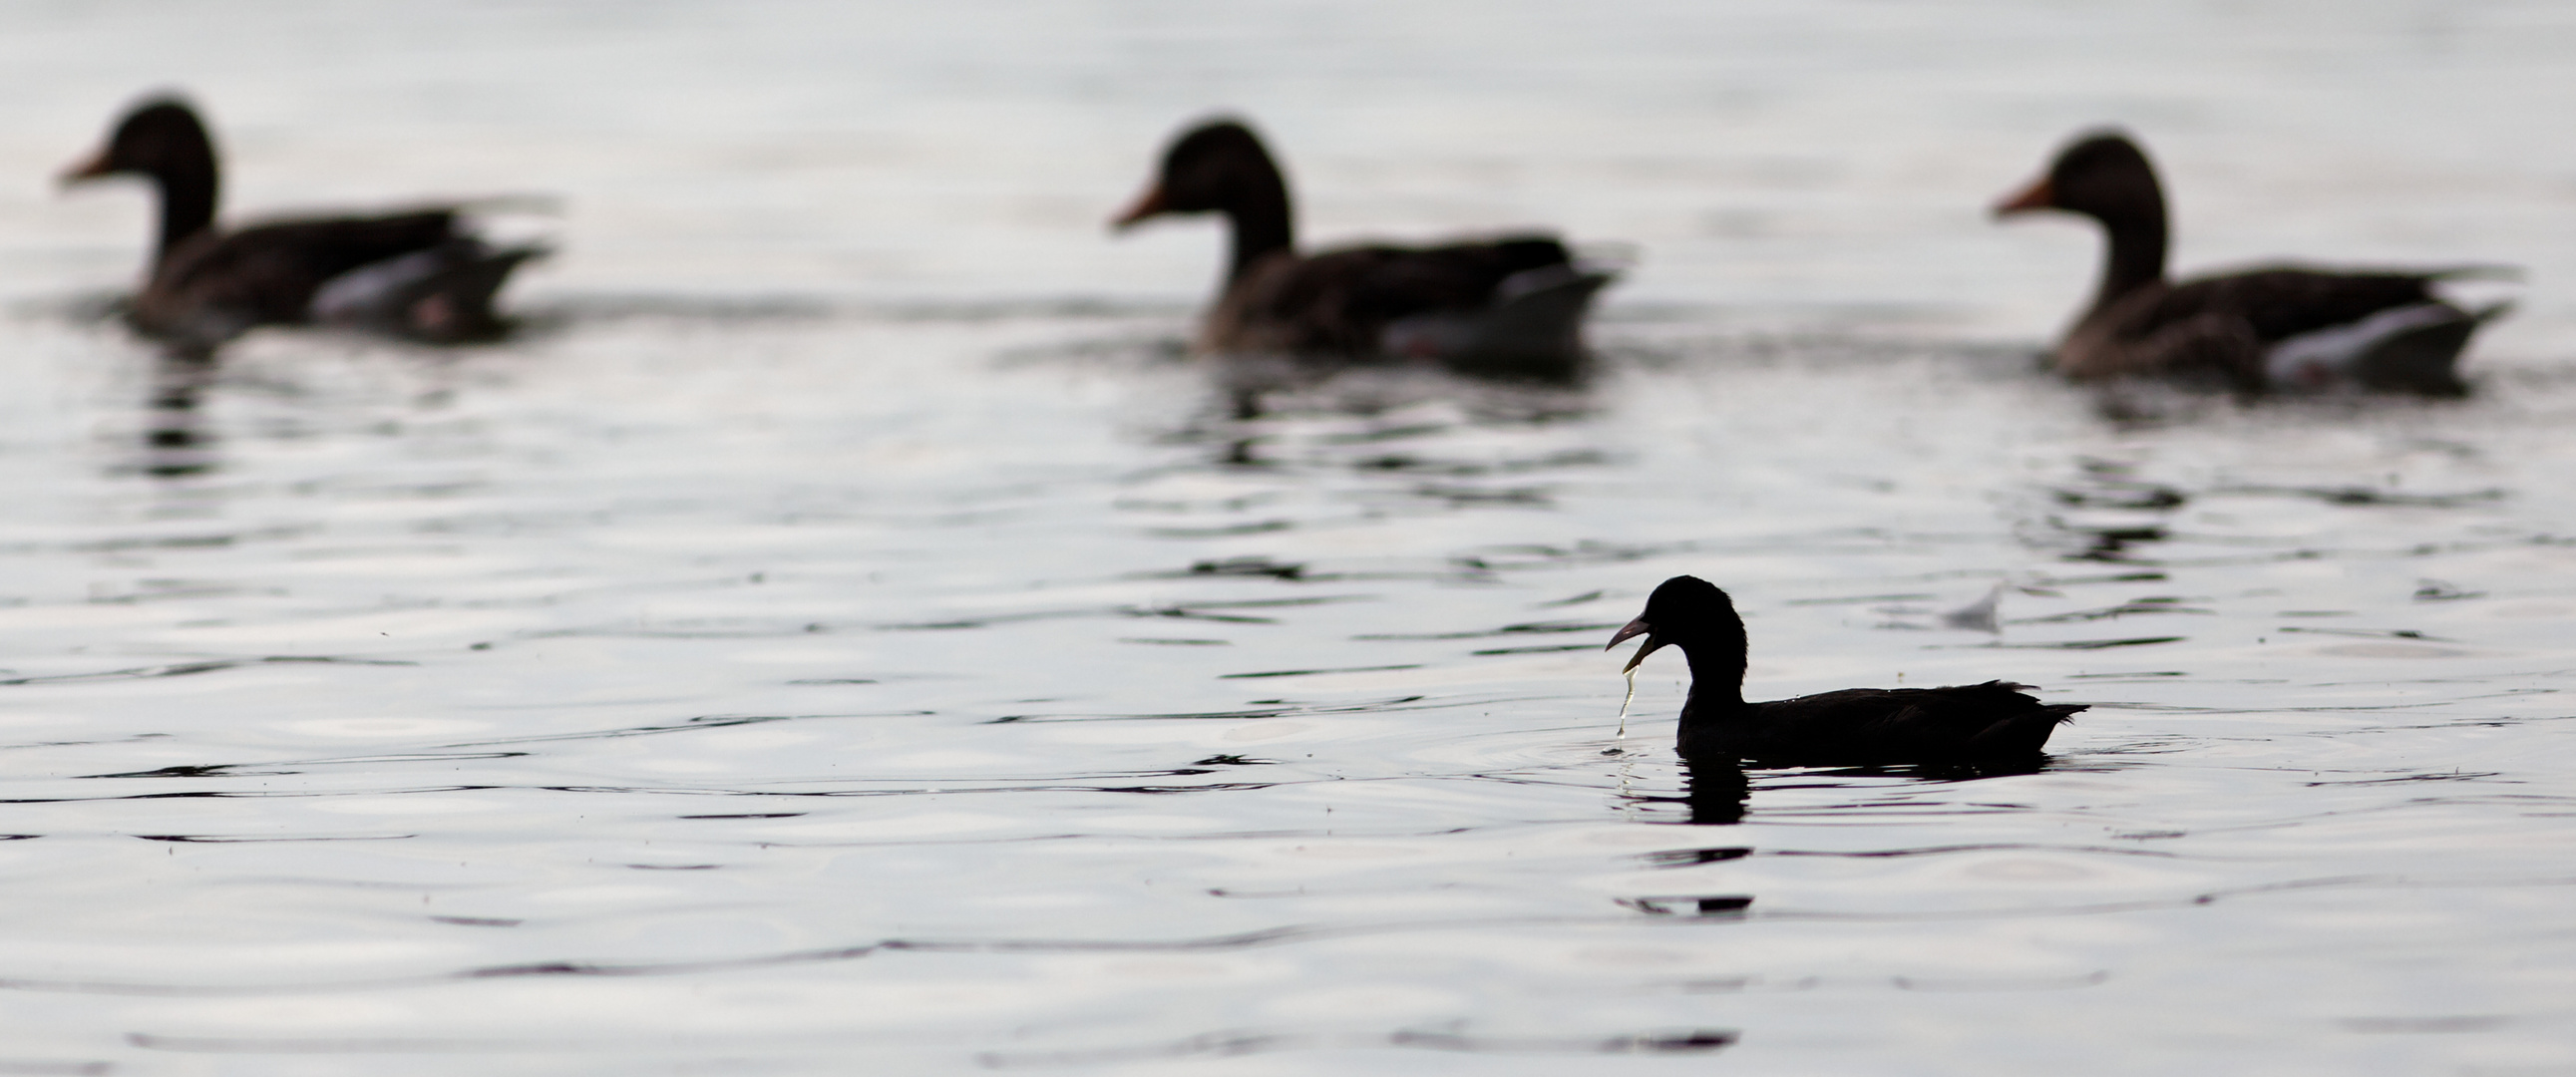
1216	166
1683	611
2102	175
159	137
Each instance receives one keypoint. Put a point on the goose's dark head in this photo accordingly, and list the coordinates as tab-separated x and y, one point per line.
1219	166
1685	611
160	137
2102	175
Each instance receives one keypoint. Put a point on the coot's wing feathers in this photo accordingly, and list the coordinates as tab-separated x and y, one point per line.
267	273
1892	725
1341	300
2280	303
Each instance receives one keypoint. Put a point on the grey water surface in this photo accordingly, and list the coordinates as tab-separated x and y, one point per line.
844	634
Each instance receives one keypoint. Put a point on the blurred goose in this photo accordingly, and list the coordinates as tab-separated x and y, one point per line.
1509	306
416	274
1974	725
2273	328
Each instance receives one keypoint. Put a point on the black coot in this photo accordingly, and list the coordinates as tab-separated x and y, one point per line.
1983	725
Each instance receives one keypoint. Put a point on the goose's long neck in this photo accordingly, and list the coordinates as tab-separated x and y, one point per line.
1261	223
2134	255
188	191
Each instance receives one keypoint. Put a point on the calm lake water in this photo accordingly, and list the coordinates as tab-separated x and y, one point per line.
845	635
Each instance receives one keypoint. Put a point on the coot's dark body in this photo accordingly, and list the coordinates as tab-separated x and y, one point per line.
1988	724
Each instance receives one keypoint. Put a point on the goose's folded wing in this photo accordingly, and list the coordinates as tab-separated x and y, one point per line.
268	272
2285	302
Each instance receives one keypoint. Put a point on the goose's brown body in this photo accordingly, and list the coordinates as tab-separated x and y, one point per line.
2279	327
1509	305
418	273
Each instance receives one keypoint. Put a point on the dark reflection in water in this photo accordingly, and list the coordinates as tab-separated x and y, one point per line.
176	442
1238	1042
1255	387
1713	793
1716	792
1945	772
1253	393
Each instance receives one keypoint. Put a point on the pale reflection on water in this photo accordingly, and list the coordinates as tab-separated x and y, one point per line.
911	667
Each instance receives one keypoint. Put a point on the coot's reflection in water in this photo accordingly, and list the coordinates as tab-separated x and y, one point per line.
1712	793
1716	791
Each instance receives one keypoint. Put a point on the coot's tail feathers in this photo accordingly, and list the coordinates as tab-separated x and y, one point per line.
2021	693
2026	730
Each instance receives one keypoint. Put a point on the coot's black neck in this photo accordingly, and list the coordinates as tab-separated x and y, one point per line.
1717	664
1717	724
